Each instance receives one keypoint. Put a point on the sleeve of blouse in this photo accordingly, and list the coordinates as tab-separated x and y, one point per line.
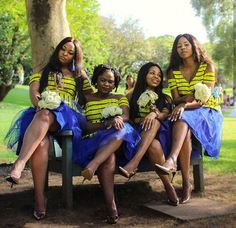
123	101
172	83
209	77
86	85
34	77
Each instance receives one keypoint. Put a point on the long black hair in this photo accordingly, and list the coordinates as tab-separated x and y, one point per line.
199	52
141	86
54	66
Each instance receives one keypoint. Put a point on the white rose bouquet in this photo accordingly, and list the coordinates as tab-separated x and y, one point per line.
49	99
201	92
147	98
111	112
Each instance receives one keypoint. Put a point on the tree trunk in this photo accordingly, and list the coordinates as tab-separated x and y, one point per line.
48	25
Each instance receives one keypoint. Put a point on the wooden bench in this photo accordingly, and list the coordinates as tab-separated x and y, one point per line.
61	162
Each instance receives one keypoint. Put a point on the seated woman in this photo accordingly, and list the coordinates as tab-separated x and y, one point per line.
149	115
190	65
32	129
107	115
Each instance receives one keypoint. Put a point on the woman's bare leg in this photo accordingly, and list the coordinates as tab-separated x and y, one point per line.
103	154
184	159
179	132
39	164
147	138
105	175
34	134
156	156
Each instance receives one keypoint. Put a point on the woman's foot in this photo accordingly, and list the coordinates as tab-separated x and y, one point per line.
127	174
167	168
112	219
186	194
15	173
87	174
40	212
171	195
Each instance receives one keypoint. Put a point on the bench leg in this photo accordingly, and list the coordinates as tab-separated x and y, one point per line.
198	177
67	185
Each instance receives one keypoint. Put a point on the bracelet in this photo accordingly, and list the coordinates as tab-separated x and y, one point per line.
155	110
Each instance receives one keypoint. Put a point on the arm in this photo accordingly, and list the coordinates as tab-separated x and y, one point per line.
34	93
79	58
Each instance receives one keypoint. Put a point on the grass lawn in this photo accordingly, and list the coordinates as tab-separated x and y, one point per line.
18	99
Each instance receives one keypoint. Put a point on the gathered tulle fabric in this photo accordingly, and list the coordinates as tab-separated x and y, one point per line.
163	136
206	125
67	118
87	147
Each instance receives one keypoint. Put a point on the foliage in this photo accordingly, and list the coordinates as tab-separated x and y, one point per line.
84	23
125	44
218	18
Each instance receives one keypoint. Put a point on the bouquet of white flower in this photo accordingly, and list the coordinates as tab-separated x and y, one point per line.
49	99
201	92
111	112
147	98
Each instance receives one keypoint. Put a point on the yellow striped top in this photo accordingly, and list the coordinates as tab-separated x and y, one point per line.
67	88
93	109
184	87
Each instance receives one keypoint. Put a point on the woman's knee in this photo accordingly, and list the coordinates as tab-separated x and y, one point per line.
44	116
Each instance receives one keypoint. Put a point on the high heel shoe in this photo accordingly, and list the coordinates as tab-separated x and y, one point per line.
39	215
170	200
126	174
112	219
12	180
186	195
87	174
166	169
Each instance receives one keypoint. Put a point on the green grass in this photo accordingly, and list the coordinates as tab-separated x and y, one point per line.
18	99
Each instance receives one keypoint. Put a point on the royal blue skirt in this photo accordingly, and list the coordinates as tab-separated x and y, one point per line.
67	118
87	147
206	125
163	136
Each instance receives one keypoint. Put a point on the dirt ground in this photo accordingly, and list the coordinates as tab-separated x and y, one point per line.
16	203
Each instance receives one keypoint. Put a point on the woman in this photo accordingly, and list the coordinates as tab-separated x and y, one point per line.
188	66
151	121
105	134
129	84
33	127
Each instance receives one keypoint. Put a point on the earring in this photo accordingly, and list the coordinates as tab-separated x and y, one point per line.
73	65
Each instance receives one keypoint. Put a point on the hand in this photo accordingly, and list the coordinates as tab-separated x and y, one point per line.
148	121
118	123
177	112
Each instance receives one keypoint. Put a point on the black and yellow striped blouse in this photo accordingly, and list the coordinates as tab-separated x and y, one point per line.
67	89
93	109
184	87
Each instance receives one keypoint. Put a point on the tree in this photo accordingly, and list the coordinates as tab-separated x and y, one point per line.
13	45
48	25
218	18
125	44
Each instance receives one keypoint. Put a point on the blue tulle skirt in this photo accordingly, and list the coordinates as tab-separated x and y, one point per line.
163	136
87	147
206	125
67	118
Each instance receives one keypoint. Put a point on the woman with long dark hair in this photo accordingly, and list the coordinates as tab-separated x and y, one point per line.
189	65
31	131
151	121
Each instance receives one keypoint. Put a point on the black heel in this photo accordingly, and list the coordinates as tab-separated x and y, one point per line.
112	219
172	178
12	180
